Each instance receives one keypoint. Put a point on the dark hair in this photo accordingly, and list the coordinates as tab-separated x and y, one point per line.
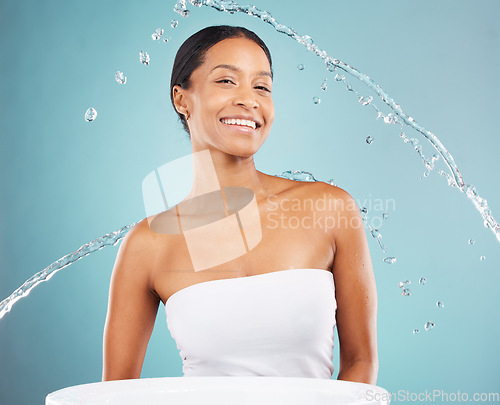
192	52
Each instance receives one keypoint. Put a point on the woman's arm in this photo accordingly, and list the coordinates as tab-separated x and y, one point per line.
356	295
132	307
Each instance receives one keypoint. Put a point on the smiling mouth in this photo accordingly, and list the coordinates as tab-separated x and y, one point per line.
240	122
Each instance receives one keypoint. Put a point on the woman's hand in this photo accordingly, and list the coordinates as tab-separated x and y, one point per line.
132	307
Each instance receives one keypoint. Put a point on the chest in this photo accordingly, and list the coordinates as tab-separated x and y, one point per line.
281	238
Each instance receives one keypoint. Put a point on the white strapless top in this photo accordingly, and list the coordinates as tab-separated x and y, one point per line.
274	324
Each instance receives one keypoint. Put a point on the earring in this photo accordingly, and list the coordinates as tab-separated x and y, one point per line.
186	115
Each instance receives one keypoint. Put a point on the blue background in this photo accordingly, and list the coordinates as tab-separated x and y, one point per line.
65	181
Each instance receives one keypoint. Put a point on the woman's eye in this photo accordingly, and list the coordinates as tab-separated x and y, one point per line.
224	81
263	88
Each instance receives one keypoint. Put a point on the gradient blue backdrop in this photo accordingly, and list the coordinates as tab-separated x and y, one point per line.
65	181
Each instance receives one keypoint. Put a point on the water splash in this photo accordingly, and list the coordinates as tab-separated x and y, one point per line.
364	100
398	116
46	274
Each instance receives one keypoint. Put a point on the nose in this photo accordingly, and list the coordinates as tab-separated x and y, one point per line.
246	97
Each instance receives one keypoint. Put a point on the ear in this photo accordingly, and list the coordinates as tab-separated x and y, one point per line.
180	100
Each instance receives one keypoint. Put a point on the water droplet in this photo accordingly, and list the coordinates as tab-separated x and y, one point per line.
196	3
339	77
390	260
440	304
165	40
416	331
364	210
422	281
401	284
144	57
471	241
316	100
174	23
429	325
330	64
324	85
120	77
349	87
180	6
407	282
307	40
90	114
185	13
365	100
300	66
369	139
406	292
385	215
482	258
157	34
390	119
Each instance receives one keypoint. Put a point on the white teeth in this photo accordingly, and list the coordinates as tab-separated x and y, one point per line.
237	121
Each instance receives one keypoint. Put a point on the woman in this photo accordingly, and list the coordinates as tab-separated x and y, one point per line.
267	308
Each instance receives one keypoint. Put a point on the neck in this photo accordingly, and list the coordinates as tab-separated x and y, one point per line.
213	169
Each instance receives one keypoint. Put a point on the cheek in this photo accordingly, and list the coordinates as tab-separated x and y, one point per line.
270	111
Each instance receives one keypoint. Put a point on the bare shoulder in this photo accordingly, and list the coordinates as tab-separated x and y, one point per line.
341	208
139	236
327	195
343	201
137	251
334	197
336	207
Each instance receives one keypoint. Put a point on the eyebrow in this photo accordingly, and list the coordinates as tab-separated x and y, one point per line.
236	69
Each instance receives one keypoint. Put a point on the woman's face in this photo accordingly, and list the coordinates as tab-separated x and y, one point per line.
229	100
